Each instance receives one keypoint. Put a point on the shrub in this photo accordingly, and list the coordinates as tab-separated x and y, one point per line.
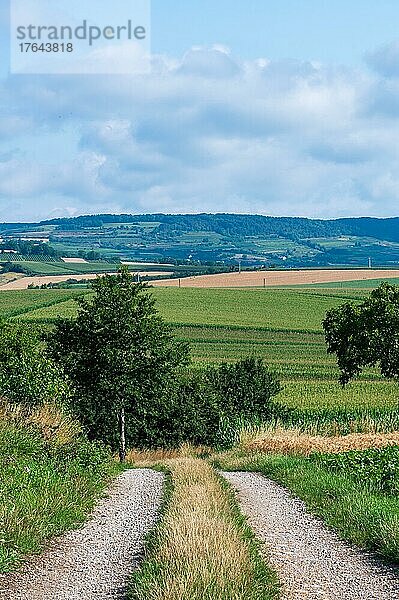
245	388
379	467
207	408
27	375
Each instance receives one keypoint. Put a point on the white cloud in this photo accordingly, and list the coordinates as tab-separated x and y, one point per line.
210	133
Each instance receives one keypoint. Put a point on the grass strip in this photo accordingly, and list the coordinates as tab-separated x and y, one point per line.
202	549
352	508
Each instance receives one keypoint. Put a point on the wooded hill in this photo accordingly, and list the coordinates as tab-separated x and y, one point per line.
223	239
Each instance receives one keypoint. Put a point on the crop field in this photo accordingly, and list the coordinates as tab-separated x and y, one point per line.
281	326
282	278
281	310
23	302
357	284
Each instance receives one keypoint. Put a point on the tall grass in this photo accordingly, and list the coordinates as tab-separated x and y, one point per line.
50	477
203	549
294	441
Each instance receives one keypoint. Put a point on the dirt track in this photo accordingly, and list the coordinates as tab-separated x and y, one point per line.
95	561
276	278
311	561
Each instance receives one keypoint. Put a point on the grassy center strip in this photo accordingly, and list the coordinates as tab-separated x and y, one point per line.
202	549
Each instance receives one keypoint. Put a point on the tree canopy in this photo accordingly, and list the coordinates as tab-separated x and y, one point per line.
27	375
366	334
119	355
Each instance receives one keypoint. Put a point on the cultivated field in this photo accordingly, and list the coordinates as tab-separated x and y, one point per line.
281	326
24	282
279	278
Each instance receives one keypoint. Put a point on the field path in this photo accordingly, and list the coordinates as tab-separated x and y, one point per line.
94	562
311	561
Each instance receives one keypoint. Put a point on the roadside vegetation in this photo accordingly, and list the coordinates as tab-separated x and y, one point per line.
202	549
353	500
50	478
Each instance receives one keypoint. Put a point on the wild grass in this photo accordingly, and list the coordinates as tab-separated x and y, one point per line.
50	478
357	511
202	549
294	441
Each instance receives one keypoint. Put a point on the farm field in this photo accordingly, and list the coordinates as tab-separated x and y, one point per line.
24	282
15	303
281	326
281	278
356	284
281	310
54	267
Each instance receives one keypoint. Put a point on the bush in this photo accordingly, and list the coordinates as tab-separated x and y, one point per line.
207	407
27	375
245	388
10	267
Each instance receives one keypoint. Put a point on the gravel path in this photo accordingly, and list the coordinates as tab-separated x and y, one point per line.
94	562
311	561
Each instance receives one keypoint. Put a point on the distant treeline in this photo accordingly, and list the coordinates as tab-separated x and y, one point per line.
247	225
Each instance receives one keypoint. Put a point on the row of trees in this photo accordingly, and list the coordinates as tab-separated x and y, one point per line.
29	248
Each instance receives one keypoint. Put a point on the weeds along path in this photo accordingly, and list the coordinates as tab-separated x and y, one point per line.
311	561
94	562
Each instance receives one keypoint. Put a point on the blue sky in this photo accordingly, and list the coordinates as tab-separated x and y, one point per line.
333	31
279	108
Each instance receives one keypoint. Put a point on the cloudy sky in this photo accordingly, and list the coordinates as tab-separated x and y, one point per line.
275	107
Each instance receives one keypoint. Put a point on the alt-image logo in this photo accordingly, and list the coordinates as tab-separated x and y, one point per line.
70	37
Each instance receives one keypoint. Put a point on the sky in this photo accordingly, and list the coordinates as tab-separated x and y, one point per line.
283	108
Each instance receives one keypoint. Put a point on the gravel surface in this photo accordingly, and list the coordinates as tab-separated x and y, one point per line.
311	561
94	562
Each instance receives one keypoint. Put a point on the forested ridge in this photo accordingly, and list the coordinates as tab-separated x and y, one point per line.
248	225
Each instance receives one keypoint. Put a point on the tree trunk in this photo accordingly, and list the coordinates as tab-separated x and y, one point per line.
122	440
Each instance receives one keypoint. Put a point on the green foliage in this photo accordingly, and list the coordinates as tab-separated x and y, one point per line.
377	468
366	335
45	487
27	375
245	388
119	354
29	247
187	411
11	267
209	407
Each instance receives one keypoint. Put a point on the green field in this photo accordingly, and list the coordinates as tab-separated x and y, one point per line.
282	326
50	267
23	302
358	284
